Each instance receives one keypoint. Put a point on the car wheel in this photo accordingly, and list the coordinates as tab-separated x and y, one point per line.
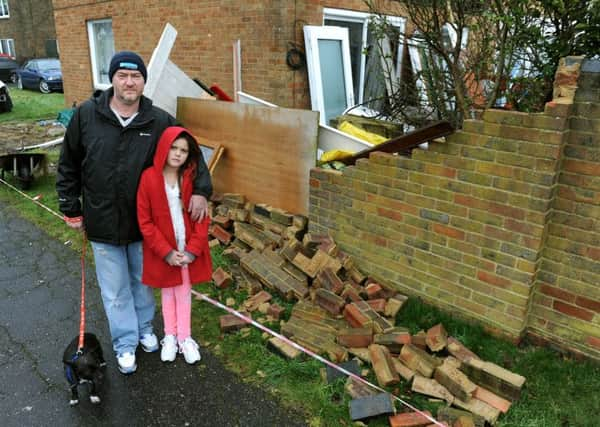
44	88
19	83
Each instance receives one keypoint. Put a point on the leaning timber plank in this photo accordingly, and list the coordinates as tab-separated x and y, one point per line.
252	165
404	143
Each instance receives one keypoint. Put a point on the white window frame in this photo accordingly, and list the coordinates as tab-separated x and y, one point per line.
92	43
312	35
11	47
364	19
416	48
4	12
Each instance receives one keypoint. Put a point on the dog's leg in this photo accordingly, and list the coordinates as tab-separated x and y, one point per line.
94	398
74	395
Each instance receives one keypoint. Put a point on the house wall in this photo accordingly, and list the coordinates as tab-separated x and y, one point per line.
499	223
203	49
30	25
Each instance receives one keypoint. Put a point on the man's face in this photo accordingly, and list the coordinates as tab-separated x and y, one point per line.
128	86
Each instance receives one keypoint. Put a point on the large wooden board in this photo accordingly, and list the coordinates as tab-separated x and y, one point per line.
268	151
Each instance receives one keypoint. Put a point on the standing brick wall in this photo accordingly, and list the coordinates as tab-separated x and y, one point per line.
566	305
203	48
464	224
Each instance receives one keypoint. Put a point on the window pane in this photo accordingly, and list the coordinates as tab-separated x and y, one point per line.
104	49
332	78
374	74
355	35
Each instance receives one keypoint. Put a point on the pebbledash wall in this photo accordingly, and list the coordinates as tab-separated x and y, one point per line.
203	48
499	223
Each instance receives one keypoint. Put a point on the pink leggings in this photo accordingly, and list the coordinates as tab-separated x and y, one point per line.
177	307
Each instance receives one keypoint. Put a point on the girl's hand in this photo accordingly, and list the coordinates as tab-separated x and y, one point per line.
175	259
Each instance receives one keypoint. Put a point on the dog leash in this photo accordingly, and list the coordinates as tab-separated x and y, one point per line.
84	244
82	308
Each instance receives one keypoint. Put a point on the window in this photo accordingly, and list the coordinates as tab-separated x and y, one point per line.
51	48
370	55
7	46
102	48
4	9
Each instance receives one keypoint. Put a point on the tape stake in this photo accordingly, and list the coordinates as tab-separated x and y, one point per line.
251	321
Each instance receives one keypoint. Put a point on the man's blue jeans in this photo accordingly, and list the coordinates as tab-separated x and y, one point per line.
129	305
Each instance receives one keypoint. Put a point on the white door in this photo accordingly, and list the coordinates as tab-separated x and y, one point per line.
329	70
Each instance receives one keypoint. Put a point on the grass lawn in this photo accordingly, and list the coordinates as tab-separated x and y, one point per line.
31	105
558	392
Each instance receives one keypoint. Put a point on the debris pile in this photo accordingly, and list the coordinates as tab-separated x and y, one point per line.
340	312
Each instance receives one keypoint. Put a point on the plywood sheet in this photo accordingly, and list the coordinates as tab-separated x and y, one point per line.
268	151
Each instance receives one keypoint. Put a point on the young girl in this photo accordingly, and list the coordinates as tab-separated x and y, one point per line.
176	251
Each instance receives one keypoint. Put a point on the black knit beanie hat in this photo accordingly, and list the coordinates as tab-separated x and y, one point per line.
126	60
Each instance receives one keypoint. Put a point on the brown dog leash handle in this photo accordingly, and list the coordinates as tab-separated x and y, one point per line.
82	308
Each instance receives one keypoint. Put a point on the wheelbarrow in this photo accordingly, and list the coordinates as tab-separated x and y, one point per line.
23	166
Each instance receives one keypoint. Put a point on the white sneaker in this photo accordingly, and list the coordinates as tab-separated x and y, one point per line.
189	348
149	342
126	363
169	348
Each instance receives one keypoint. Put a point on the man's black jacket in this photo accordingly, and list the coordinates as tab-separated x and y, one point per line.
102	162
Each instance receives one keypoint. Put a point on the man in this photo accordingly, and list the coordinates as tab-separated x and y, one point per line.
110	140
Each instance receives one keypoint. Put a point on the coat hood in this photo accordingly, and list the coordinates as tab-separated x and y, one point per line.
164	145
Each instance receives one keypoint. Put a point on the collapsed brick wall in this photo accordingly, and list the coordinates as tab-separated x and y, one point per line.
566	304
463	224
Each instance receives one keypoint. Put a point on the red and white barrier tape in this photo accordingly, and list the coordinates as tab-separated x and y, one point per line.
247	319
33	199
269	331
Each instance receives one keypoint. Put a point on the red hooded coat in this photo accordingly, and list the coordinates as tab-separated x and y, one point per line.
156	225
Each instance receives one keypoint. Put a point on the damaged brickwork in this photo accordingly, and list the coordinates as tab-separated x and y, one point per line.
498	223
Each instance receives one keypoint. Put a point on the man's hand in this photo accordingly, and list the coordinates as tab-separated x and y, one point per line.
198	207
76	223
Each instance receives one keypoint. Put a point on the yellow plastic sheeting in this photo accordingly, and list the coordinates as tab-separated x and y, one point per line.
359	133
330	156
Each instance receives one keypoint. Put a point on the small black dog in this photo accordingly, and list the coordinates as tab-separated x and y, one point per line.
84	367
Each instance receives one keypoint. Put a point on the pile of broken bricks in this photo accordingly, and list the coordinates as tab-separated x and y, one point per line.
340	312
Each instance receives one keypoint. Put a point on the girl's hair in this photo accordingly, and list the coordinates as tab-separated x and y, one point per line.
193	153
